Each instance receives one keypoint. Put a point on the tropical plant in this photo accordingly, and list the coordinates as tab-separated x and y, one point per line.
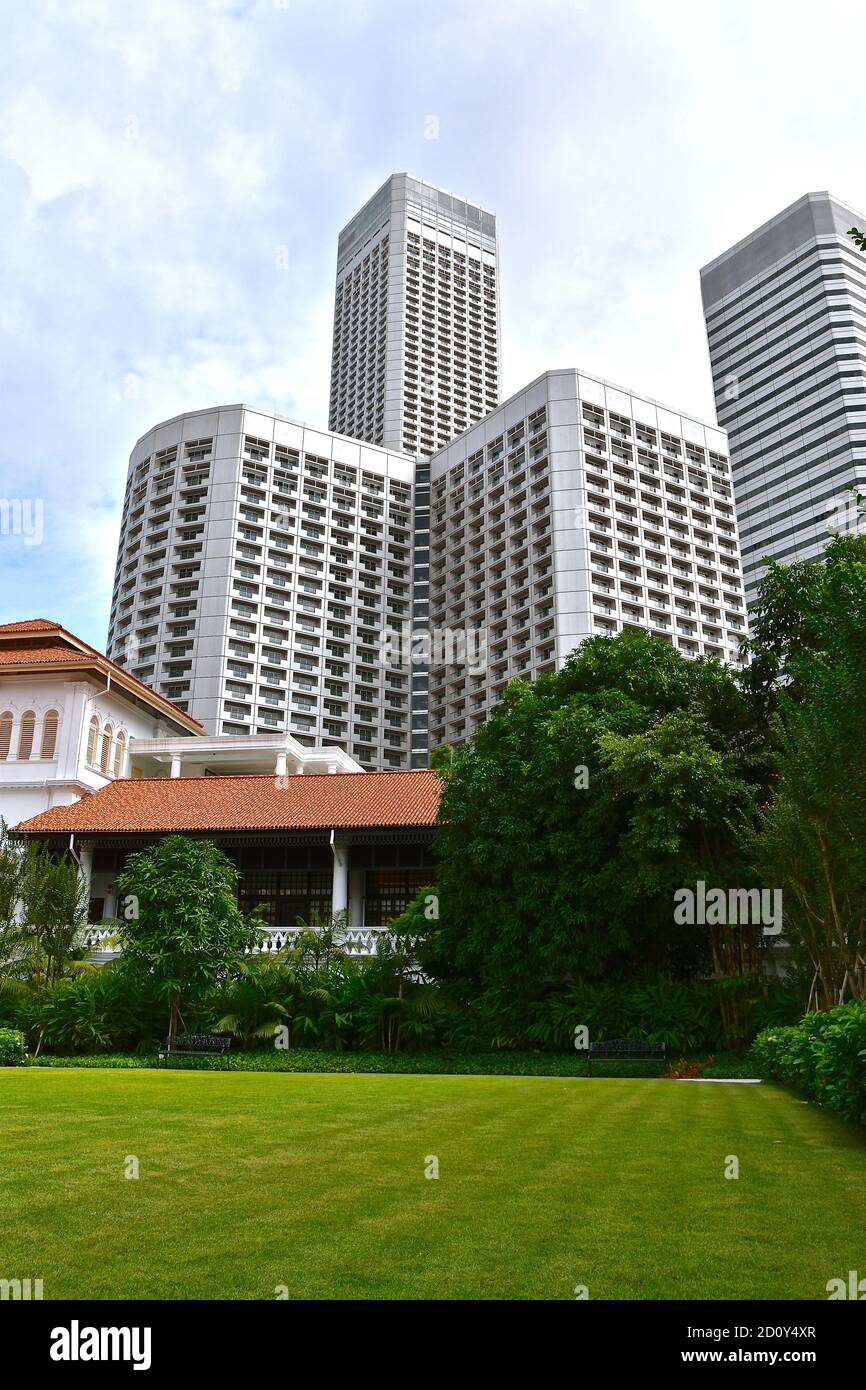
182	927
43	909
252	1000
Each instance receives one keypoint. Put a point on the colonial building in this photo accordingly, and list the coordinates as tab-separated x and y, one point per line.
357	842
72	721
68	718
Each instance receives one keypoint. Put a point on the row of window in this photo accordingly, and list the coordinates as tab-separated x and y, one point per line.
27	734
105	752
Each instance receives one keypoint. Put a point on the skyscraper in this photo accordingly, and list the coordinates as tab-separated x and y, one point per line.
785	311
416	318
576	509
260	564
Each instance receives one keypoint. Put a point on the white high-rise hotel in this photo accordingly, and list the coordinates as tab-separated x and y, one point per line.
262	564
416	318
258	562
577	509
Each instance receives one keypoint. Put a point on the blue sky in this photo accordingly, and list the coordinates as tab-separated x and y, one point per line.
156	157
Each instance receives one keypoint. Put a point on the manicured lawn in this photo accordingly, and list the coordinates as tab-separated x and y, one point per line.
250	1181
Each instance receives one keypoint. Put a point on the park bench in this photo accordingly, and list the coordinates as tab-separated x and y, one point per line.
624	1050
195	1045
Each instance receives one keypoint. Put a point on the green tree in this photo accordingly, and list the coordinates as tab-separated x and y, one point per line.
54	902
182	925
690	800
442	758
43	909
579	808
811	840
11	877
807	614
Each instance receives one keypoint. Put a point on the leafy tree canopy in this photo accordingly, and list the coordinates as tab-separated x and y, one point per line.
810	614
810	631
182	925
586	799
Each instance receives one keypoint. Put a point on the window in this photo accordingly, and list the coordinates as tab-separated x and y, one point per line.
388	892
105	758
92	736
286	895
119	753
5	734
49	734
25	736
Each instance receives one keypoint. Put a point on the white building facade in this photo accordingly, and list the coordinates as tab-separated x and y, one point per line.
416	318
68	720
577	508
785	312
259	563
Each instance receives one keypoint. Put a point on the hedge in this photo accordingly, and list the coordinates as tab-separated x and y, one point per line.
824	1055
402	1063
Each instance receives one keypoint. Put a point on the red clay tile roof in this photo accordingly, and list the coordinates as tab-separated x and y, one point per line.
14	656
31	625
301	801
64	648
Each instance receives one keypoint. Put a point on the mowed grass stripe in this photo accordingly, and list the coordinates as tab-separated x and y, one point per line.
250	1181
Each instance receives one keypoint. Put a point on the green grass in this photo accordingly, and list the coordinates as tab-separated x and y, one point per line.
250	1181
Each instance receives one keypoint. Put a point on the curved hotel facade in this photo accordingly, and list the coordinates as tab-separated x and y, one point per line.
259	562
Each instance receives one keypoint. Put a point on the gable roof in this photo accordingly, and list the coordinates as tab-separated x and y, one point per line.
43	645
30	625
308	801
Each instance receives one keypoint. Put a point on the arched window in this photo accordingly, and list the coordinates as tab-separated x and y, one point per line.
5	734
119	751
92	738
49	734
25	734
105	759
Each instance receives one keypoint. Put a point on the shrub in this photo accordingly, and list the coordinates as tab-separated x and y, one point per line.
684	1070
824	1055
683	1013
99	1011
12	1047
302	1059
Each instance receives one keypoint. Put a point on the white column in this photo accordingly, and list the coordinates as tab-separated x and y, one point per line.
356	899
281	768
85	872
340	884
175	765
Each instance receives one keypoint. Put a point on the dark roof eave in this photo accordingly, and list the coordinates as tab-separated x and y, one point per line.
126	831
